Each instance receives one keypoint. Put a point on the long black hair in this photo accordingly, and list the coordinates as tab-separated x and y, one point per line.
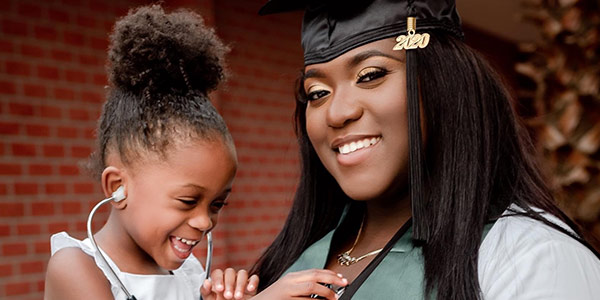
479	161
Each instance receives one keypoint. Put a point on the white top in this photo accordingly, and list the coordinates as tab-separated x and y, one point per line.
184	284
521	258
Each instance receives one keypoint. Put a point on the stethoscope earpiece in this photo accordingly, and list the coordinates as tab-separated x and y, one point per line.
119	194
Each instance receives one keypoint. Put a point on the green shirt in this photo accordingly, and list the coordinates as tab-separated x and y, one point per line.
399	276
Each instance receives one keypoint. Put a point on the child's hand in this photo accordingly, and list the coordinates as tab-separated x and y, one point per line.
229	285
303	284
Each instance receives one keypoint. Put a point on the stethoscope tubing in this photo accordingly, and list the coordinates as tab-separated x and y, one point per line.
91	237
209	250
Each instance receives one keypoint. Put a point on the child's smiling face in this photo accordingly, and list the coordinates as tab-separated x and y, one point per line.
172	202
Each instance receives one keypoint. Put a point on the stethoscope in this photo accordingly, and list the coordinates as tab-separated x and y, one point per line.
117	196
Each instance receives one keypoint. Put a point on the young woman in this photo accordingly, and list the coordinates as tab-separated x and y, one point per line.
167	152
417	179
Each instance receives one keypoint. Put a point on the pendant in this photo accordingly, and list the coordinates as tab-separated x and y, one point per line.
345	259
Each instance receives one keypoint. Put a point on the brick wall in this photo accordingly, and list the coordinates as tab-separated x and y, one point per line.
52	79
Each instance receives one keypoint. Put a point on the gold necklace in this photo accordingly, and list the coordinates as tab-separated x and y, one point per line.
344	258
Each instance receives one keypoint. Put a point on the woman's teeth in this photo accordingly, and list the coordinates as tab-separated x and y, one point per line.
357	145
188	242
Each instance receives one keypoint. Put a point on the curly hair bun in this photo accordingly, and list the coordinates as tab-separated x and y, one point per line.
174	53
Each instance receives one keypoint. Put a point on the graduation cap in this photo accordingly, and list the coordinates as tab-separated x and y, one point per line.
331	28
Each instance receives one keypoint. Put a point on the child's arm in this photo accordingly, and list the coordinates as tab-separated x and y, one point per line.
229	284
72	274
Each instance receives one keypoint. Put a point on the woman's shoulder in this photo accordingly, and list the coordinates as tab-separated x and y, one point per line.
522	256
73	274
516	234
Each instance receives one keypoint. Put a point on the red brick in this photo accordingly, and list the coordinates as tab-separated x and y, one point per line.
99	79
81	226
12	249
48	72
73	2
47	111
40	286
99	6
3	189
43	246
64	94
42	208
34	90
37	130
9	128
108	26
83	188
90	60
4	231
92	97
18	68
56	188
7	87
45	33
16	288
10	169
29	10
59	16
61	55
75	76
40	169
15	27
53	228
12	209
29	229
99	43
32	267
79	114
19	149
73	38
66	132
89	133
6	46
71	208
81	151
86	21
54	150
6	270
67	170
20	109
31	50
22	188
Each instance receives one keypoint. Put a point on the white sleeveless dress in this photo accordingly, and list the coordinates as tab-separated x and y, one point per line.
184	284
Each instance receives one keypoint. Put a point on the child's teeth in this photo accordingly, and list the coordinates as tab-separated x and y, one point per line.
186	241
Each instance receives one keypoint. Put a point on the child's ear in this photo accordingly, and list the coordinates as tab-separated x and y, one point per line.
112	179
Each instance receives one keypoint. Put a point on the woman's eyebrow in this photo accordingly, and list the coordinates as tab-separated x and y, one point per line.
313	73
358	58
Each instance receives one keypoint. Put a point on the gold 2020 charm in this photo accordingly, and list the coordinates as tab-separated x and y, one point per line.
412	40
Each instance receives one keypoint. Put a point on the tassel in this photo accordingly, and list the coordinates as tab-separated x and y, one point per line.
419	207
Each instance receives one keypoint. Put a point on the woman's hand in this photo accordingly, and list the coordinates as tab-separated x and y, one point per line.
303	284
229	285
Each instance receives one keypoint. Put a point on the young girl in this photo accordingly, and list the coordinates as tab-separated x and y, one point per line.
167	156
458	212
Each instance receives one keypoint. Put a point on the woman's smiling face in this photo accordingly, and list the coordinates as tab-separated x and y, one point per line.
356	119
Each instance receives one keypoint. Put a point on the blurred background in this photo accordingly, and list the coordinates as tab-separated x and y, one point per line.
52	85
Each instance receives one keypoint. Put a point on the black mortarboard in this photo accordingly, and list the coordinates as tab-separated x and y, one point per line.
331	28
